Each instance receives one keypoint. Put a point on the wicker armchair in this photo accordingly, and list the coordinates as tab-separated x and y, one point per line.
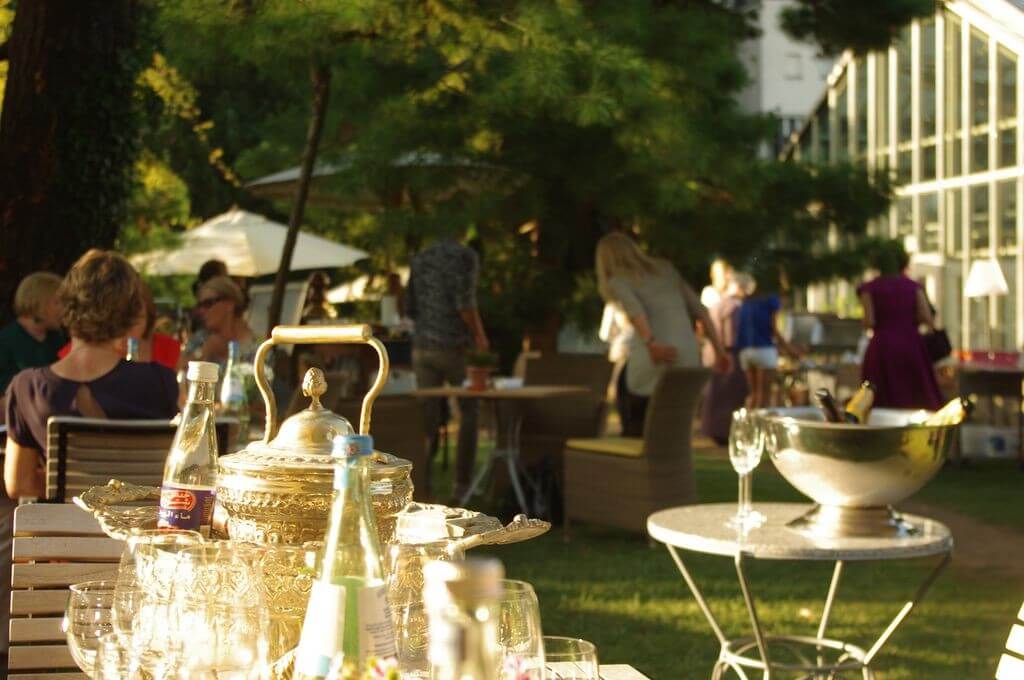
619	481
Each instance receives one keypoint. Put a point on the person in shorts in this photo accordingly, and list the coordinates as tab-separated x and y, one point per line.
758	341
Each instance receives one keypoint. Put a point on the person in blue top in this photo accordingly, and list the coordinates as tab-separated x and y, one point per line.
758	341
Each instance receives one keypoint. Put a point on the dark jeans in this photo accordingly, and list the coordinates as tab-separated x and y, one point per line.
433	368
632	408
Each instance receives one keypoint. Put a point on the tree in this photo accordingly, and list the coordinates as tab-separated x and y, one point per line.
67	133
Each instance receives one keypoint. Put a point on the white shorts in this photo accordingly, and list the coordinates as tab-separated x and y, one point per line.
759	357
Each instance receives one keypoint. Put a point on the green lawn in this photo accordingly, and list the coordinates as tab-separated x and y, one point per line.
627	597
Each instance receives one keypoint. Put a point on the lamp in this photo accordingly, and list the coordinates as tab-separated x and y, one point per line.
984	279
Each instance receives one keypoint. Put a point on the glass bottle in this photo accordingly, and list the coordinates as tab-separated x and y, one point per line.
463	602
190	474
234	399
858	408
827	404
348	614
132	353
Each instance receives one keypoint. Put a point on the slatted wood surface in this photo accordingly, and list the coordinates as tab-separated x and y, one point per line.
55	545
1011	665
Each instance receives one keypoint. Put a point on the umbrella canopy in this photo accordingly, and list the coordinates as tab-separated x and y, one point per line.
249	244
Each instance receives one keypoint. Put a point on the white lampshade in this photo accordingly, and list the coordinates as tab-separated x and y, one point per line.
985	278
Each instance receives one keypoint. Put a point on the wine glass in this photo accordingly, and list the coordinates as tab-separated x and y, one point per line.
746	444
405	562
127	570
412	637
116	658
519	632
227	640
567	658
87	618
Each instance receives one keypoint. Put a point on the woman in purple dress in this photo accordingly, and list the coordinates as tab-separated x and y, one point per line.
896	360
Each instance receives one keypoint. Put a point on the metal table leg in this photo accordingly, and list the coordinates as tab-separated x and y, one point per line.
762	646
509	417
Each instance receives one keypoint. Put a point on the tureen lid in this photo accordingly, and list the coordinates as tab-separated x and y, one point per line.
304	441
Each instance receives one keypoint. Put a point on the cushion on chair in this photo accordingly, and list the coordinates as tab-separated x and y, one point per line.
629	447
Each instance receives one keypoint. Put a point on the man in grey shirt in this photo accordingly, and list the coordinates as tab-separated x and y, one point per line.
441	300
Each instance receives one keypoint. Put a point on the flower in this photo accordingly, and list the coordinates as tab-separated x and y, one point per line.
514	668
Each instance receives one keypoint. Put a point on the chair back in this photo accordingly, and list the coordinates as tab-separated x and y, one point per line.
671	410
55	545
578	415
86	452
398	428
1011	664
592	371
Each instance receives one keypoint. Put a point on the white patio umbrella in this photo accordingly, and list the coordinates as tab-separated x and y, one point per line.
249	244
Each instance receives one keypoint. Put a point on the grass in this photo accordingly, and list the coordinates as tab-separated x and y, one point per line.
616	590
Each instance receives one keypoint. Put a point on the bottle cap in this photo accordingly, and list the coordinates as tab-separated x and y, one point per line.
352	446
203	371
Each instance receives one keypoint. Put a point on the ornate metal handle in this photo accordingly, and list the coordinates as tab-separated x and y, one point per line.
358	334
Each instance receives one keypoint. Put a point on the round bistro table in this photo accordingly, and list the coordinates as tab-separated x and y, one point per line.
703	529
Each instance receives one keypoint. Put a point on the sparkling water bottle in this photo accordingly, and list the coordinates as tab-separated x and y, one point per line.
234	399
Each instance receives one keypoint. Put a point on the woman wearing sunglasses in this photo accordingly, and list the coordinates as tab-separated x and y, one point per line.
221	305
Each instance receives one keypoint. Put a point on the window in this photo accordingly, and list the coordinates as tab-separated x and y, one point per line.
1006	217
861	110
1006	106
842	120
904	217
904	166
953	132
930	227
979	217
979	102
954	222
793	68
882	103
904	83
927	89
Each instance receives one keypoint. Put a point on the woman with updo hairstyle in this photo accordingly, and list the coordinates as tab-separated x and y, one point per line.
103	302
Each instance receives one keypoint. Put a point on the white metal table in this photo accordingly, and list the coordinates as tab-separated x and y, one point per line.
703	529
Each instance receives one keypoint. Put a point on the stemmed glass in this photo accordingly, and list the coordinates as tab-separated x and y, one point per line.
567	658
519	633
746	444
87	618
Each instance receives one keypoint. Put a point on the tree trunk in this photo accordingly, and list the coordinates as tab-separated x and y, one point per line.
67	134
321	79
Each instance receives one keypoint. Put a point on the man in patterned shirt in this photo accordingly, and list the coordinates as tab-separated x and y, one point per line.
441	300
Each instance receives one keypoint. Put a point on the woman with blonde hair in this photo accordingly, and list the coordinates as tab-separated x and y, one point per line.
221	305
33	338
662	309
102	300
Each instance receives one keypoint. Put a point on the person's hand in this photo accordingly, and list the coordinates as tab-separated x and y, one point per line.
723	363
661	353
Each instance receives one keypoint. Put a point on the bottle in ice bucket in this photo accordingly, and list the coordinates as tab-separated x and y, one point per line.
234	400
953	413
827	404
463	603
190	474
858	409
348	621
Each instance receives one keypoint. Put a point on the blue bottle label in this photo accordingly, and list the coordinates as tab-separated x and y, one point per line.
186	507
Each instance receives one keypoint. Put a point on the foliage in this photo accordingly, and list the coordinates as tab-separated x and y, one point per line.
6	19
836	25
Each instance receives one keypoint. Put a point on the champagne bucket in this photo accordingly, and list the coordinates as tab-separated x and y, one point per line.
855	473
279	490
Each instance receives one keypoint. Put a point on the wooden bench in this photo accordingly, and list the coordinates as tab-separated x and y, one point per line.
55	545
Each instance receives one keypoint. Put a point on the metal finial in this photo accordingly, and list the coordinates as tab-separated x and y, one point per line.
314	385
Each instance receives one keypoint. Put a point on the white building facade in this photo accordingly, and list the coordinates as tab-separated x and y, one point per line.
942	110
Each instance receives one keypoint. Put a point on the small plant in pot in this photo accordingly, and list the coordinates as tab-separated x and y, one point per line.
479	364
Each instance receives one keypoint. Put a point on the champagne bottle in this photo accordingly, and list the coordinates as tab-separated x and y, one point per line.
858	408
234	400
953	413
463	602
828	406
190	473
348	614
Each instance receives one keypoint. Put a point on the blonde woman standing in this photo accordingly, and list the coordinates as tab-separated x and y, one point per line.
662	309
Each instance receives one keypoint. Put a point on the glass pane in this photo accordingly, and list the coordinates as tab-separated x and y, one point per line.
927	78
979	79
952	94
903	86
904	216
954	221
861	141
927	162
842	120
1006	66
1006	321
882	100
823	134
930	227
904	167
1006	199
979	217
979	152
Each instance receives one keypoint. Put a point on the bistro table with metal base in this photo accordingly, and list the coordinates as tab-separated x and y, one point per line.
509	404
703	529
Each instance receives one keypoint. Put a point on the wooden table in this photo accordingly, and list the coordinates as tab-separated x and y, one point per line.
508	404
608	672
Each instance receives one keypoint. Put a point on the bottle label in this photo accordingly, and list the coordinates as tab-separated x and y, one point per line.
325	626
186	507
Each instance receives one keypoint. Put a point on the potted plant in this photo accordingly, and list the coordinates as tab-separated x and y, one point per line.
479	364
